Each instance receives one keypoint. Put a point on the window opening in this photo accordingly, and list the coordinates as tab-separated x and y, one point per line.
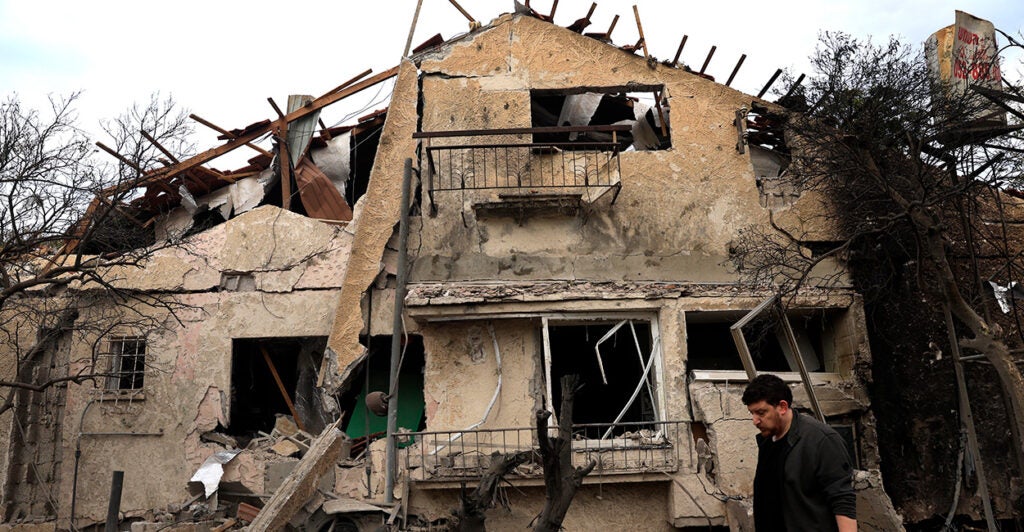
127	364
773	306
411	406
256	398
710	345
646	111
616	364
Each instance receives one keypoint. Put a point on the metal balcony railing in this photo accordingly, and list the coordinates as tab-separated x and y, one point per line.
523	167
465	454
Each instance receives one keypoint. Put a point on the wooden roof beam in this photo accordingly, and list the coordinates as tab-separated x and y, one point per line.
242	140
131	164
711	53
463	11
358	77
771	82
736	69
640	28
679	51
227	133
159	146
128	162
276	108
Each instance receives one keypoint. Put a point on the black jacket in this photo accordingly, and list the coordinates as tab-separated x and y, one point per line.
817	477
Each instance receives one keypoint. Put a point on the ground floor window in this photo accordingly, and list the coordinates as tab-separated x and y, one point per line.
618	362
273	377
127	364
711	347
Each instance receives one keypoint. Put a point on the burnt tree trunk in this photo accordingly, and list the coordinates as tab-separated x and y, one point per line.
987	338
471	512
561	479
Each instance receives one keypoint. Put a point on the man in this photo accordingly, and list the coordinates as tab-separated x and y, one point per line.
803	471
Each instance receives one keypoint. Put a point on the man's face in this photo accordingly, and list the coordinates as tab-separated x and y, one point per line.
769	419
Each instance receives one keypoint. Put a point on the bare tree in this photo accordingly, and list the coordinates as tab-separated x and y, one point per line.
561	478
68	235
915	175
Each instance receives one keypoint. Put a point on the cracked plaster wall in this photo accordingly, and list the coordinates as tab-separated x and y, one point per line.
374	218
678	208
461	374
673	221
598	505
483	81
296	263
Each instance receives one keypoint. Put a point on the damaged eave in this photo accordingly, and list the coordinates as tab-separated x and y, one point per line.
438	302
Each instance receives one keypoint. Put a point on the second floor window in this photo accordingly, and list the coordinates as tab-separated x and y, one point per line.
646	110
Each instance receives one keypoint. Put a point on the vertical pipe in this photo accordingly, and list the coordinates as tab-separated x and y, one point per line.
396	335
114	508
78	456
368	468
74	484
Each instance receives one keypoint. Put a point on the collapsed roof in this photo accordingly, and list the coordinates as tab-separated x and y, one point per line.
329	167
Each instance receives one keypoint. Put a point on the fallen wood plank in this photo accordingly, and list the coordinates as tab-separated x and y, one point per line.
247	512
301	483
273	369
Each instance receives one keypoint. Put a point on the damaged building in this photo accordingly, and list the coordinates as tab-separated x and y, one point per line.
571	210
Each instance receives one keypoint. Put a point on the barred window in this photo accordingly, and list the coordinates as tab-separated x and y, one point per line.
127	364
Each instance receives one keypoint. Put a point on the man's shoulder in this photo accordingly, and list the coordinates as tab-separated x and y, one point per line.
810	427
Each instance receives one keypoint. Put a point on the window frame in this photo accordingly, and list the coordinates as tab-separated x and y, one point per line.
657	366
660	112
116	354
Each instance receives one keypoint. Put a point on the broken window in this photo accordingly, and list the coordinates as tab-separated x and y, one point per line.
618	363
644	108
272	377
372	376
126	363
710	345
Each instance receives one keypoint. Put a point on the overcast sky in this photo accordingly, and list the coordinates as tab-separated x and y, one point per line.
222	59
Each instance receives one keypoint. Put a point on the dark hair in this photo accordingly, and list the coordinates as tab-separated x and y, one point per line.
769	388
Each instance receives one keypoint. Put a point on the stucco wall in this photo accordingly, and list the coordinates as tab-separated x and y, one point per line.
295	263
595	507
461	374
678	208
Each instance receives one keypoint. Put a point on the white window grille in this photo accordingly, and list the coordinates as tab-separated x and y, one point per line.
127	364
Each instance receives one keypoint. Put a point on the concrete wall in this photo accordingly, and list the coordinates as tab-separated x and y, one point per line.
673	222
671	225
295	263
678	208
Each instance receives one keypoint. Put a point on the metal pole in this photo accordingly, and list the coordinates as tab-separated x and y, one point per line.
114	508
396	336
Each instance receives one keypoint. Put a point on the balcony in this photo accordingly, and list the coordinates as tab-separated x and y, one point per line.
519	169
642	447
